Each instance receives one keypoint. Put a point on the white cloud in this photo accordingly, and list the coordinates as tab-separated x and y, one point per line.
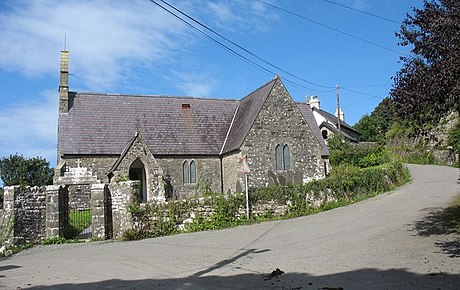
29	128
241	15
105	37
360	4
193	84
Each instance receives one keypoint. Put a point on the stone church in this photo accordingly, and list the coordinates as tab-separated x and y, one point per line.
180	146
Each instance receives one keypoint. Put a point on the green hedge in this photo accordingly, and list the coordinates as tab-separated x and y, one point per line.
347	184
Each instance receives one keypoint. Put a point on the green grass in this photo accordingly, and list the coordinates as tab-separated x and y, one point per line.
77	216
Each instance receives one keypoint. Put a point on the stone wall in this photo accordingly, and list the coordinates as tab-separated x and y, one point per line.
80	196
208	174
435	141
83	170
120	195
28	210
153	171
233	181
280	122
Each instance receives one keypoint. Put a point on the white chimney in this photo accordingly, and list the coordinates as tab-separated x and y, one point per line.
314	102
342	115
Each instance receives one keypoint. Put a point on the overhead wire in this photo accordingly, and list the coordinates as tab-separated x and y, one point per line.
242	57
234	52
332	28
364	12
244	49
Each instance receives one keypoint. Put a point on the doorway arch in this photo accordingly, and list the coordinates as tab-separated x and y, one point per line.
137	172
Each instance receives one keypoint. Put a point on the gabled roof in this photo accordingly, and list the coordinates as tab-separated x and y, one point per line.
333	119
333	129
246	114
310	119
104	123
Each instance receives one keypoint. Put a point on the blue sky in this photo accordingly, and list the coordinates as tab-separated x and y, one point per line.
136	48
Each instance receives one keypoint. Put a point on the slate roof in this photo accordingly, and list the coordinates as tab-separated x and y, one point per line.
333	119
307	113
246	114
332	128
104	124
352	133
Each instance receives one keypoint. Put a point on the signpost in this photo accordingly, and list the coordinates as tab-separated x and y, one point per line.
245	170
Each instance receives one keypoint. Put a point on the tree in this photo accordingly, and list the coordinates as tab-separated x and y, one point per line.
428	86
17	170
373	127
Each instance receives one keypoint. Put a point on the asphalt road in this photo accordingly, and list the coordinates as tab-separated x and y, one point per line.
398	240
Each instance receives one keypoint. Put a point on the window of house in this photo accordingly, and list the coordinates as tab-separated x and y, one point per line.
279	157
286	158
324	133
185	172
192	172
282	157
189	172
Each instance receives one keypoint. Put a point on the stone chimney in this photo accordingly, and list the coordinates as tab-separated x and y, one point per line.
314	102
342	115
64	82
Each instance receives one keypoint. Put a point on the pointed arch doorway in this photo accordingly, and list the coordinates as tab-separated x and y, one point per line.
137	172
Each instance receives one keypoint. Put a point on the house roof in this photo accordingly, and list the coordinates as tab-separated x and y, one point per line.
246	114
307	113
332	128
333	119
105	124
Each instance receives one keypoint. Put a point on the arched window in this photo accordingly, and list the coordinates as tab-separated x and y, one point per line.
286	158
282	157
324	133
185	172
192	172
279	157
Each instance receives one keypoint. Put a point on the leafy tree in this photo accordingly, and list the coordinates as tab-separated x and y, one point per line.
428	85
373	127
17	170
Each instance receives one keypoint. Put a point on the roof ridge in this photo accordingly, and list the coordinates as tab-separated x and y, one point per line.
152	96
262	86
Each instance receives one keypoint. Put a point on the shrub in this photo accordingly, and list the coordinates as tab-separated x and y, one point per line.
362	156
346	184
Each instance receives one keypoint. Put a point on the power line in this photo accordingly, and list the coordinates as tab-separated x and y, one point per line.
332	28
364	12
232	51
361	93
244	49
239	55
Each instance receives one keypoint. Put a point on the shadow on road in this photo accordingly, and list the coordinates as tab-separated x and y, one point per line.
442	222
360	279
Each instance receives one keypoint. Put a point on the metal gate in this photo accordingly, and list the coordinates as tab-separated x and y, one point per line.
76	218
80	223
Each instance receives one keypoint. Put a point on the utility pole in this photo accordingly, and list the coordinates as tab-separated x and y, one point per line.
338	107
